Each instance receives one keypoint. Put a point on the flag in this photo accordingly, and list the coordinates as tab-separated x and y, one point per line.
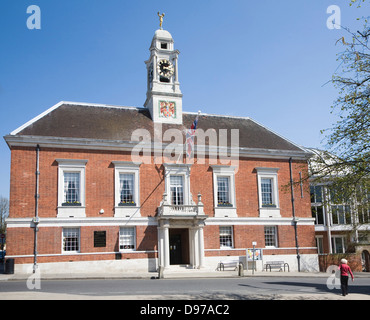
190	133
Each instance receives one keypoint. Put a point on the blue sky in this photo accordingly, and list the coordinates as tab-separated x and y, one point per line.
267	59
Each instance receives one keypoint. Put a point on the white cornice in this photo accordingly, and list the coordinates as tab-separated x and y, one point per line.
100	144
148	221
84	222
258	221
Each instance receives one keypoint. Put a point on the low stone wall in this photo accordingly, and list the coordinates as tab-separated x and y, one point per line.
354	261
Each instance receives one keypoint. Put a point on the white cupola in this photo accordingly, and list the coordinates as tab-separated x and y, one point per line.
163	97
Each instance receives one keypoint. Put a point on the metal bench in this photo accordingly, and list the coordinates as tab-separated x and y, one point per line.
276	265
228	264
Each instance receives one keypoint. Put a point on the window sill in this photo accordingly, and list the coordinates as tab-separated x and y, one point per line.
71	212
270	207
225	212
121	204
127	211
72	204
269	212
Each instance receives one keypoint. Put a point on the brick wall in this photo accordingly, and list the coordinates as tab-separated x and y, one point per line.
244	235
354	261
100	184
100	195
50	243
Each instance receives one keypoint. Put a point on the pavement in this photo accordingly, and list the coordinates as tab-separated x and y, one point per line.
175	273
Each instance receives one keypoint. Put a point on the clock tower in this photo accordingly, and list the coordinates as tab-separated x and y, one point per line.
163	97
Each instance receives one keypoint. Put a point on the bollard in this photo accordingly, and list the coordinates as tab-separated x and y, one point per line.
9	266
160	272
240	270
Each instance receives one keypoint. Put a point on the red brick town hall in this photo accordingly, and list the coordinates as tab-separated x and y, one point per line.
98	187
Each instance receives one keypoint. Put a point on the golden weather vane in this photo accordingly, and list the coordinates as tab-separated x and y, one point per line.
160	19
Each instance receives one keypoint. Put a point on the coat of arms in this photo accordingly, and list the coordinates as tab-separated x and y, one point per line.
167	109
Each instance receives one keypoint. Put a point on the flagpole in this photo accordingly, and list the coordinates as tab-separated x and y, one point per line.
190	138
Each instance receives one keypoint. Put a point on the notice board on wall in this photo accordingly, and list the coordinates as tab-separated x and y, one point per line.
100	239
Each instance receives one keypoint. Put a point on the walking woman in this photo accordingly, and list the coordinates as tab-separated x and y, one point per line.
344	270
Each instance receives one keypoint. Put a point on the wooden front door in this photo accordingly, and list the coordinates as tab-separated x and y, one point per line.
179	246
175	249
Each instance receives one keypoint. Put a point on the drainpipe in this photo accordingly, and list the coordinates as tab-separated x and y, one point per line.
36	218
295	220
326	207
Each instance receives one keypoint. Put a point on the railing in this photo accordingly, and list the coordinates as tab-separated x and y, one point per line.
189	210
166	209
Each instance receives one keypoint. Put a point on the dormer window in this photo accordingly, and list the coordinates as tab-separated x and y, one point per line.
164	45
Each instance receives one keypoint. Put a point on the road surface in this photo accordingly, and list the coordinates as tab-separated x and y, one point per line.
248	288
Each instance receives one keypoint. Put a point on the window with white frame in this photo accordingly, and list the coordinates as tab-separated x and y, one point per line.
126	184
363	204
319	244
341	214
126	188
224	185
71	187
363	237
127	238
268	187
317	208
271	236
268	192
226	237
71	240
177	189
318	214
340	208
177	183
316	193
223	191
338	244
363	213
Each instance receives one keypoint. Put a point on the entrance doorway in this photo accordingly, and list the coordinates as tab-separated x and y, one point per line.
179	246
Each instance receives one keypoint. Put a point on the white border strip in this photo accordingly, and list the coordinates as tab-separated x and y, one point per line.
80	222
147	221
238	249
80	254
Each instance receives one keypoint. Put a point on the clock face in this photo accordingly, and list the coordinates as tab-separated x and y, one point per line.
165	68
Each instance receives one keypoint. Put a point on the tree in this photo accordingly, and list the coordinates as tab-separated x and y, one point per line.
348	158
4	212
345	167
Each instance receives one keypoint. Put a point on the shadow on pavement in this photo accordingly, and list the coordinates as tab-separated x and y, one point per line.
319	287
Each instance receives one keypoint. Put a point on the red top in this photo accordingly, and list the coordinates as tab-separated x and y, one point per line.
345	269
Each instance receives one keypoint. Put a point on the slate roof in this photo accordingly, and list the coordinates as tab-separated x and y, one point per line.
74	120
